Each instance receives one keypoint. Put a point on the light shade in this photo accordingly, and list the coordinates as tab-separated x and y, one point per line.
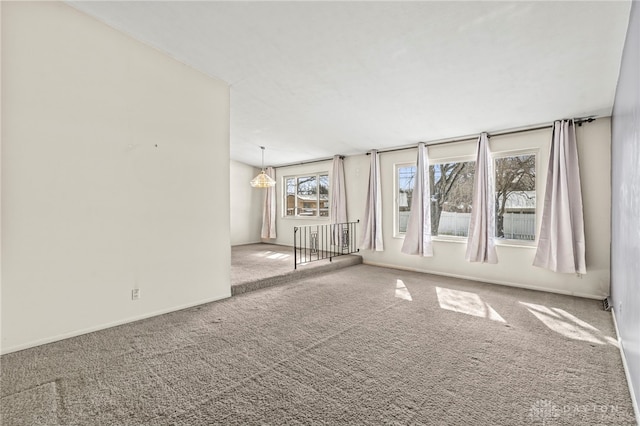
263	180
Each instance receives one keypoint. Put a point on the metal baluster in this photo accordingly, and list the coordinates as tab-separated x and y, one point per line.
295	250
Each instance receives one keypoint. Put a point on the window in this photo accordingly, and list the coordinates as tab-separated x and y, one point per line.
405	176
451	195
516	197
307	195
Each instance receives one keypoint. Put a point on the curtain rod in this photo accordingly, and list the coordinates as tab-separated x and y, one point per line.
578	121
300	163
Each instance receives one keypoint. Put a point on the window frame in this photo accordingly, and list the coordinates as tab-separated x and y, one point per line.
396	188
536	151
396	197
318	209
516	153
456	159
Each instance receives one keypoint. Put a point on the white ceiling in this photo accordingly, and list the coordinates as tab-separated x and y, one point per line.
313	79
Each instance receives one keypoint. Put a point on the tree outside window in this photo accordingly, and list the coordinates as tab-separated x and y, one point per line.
452	195
516	197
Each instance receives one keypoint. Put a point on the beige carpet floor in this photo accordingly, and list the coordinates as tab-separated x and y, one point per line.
361	345
252	262
256	266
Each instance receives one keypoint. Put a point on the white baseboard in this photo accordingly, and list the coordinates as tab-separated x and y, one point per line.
634	402
247	243
505	283
108	325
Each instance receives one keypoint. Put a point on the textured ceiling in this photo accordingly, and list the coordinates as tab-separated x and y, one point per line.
313	79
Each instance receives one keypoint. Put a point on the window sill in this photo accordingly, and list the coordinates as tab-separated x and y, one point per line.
463	240
449	239
321	218
517	243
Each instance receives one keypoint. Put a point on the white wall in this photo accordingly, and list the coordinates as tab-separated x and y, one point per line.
625	247
115	175
246	205
515	262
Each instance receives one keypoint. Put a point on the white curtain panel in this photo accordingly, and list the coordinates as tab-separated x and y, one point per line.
338	204
372	225
481	244
561	244
417	240
269	211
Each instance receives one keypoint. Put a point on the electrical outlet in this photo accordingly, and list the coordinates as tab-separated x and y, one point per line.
135	294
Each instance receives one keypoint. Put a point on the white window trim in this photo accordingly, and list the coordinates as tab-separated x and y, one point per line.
464	158
396	188
396	201
283	184
455	159
507	242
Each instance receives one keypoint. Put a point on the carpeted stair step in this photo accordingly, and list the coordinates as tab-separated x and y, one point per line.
303	271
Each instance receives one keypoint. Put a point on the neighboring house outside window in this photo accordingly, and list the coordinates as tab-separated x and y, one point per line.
306	195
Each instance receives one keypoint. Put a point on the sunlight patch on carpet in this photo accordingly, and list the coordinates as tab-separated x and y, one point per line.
273	255
402	292
466	303
568	325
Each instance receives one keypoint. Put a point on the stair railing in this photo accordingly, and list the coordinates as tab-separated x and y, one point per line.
318	242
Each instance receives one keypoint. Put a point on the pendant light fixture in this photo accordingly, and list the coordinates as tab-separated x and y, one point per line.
263	180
